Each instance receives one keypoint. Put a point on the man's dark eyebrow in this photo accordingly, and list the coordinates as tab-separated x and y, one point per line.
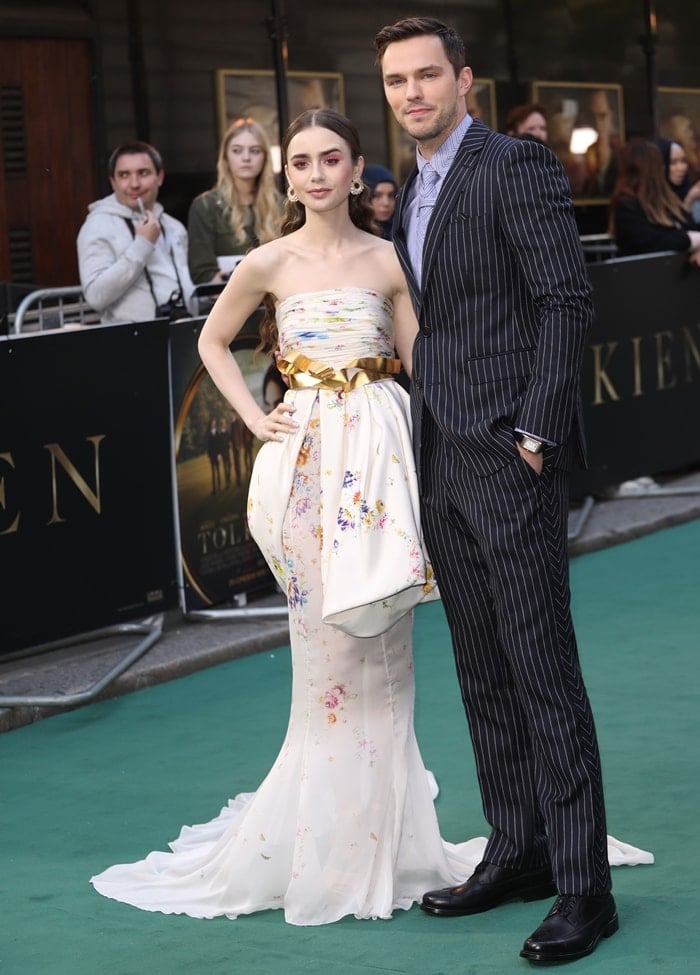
423	67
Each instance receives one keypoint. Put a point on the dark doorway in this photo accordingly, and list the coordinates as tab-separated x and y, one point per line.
46	158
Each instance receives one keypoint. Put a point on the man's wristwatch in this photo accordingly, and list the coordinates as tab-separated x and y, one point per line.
529	443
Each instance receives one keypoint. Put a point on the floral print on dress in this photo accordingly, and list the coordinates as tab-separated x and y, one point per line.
334	700
296	596
344	823
366	749
336	324
360	518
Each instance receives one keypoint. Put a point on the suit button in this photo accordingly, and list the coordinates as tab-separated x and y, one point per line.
426	330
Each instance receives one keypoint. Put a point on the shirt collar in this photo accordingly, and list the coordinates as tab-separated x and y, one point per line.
444	155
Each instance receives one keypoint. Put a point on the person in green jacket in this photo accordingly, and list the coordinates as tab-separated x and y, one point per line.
241	211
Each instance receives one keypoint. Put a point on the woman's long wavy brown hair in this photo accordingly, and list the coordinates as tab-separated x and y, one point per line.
642	177
294	217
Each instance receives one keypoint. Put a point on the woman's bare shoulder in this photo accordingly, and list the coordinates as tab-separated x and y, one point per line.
384	253
261	265
267	255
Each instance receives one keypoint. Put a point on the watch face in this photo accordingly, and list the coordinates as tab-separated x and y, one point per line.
529	443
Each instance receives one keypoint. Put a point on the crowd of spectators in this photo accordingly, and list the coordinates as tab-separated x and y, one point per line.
652	188
137	262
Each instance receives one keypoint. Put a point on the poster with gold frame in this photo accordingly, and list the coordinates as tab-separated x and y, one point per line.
586	129
679	120
241	93
481	103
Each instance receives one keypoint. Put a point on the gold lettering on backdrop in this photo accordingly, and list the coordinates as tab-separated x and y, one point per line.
92	497
670	356
600	376
663	362
691	354
637	362
3	501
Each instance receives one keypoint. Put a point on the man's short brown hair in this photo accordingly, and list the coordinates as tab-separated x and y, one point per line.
134	149
408	27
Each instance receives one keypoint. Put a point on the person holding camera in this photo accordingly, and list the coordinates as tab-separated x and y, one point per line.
132	256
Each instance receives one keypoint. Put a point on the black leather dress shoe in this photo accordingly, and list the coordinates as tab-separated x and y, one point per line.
572	929
489	886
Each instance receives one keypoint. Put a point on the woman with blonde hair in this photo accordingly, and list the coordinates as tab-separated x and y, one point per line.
242	211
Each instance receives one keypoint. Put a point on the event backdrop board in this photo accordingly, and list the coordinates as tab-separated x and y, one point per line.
214	454
86	503
641	370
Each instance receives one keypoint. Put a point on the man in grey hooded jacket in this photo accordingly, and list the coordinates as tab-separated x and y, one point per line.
132	256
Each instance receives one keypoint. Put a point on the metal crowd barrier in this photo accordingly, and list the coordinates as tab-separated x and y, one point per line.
53	308
598	247
152	630
205	295
48	308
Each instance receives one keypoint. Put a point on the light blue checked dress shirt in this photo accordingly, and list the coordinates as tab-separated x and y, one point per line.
425	192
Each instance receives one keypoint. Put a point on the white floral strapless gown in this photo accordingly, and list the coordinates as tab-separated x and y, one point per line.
344	822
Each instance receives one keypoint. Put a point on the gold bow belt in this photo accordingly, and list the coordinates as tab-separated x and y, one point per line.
305	373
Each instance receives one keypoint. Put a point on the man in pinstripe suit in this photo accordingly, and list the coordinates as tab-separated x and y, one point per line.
485	231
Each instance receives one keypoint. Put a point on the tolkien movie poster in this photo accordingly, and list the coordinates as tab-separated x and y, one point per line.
214	454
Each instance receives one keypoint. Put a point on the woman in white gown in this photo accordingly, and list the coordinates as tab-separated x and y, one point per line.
344	823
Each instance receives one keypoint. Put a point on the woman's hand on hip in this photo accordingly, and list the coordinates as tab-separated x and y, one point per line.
276	424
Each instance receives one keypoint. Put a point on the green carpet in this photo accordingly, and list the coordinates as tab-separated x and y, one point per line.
113	780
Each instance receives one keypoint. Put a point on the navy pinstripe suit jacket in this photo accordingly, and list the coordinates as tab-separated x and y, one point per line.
505	302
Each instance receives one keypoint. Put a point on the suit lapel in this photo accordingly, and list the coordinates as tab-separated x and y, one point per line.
399	237
458	177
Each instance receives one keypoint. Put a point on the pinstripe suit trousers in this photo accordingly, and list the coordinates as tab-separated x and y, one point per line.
499	547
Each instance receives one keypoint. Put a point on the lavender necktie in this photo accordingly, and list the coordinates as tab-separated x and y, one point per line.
427	194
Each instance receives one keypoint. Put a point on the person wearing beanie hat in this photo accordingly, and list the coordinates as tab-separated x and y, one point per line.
382	195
